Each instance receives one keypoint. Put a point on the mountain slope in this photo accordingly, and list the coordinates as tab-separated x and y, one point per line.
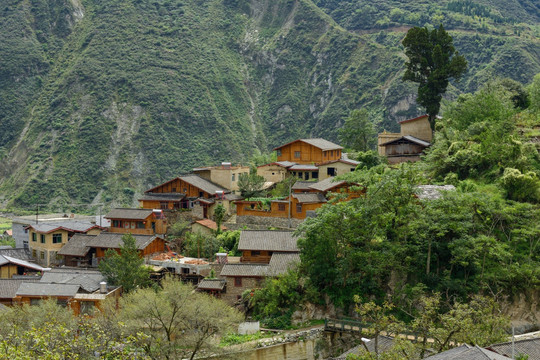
105	98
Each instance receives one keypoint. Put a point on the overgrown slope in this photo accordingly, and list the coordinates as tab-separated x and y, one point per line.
103	98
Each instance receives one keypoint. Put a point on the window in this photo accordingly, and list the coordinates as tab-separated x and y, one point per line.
185	271
232	177
34	237
163	205
56	238
34	253
298	208
331	171
133	224
117	223
87	307
42	238
281	207
35	301
185	190
61	302
126	224
140	225
332	153
325	153
278	152
173	190
314	175
201	194
42	255
297	154
255	253
237	281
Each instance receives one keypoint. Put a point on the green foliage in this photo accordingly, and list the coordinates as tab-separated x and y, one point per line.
369	159
7	241
235	339
125	268
433	61
521	187
219	215
229	240
199	245
358	132
251	185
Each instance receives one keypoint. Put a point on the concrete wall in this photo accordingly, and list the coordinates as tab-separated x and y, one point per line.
20	235
273	173
340	169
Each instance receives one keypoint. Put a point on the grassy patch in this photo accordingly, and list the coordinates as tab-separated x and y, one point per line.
5	224
235	339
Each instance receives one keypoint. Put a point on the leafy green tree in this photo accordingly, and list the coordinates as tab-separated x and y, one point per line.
200	245
433	61
251	185
126	267
179	322
369	159
219	215
358	133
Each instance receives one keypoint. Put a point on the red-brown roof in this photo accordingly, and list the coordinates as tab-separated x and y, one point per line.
416	118
210	224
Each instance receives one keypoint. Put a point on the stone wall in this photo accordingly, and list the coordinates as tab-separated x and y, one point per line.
282	223
232	293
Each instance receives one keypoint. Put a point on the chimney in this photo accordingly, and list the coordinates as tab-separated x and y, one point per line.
103	287
222	258
226	165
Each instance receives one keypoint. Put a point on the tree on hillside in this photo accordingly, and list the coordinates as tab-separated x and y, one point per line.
126	267
219	215
251	185
433	61
358	132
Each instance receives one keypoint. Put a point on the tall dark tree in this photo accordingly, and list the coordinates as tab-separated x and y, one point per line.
433	61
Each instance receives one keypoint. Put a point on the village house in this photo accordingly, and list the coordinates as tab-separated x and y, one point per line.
10	266
190	192
274	172
188	268
309	151
46	239
336	167
409	144
265	253
225	175
137	221
9	287
215	287
206	227
80	290
88	250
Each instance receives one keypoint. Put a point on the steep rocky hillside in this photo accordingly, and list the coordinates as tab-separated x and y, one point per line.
101	99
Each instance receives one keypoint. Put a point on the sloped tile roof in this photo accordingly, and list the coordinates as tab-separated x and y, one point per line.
301	167
87	279
342	160
68	225
280	262
302	185
42	289
408	138
211	284
270	240
203	184
210	224
466	352
161	197
4	259
23	254
9	287
78	245
129	213
530	347
246	270
309	198
317	142
327	184
109	240
384	344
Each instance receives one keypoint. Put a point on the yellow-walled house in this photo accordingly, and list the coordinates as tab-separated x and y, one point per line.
407	145
225	175
46	239
336	167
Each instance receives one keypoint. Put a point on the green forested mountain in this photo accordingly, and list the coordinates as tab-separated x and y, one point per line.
101	99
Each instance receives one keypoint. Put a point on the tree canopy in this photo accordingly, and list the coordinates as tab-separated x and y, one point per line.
433	61
358	133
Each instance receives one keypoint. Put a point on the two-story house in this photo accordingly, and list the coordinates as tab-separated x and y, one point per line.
309	151
137	221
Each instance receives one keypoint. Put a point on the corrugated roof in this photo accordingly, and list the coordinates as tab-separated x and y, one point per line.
78	245
281	262
203	184
109	240
87	279
211	284
326	184
317	142
530	347
9	287
303	168
162	197
309	198
41	289
270	240
408	138
129	213
68	225
246	270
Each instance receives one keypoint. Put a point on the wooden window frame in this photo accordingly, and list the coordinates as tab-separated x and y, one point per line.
55	238
237	281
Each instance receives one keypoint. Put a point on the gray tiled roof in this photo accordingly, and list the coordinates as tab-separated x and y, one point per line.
87	279
384	343
285	164
161	197
270	240
466	352
530	347
326	184
203	184
432	192
9	287
343	159
109	240
309	198
322	144
302	185
280	263
4	259
211	284
23	254
78	245
69	225
41	289
246	270
301	167
127	213
409	138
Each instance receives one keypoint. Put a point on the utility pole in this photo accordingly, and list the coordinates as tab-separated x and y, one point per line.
290	189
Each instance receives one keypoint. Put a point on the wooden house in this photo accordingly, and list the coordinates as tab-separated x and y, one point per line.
89	250
309	151
415	135
258	246
46	239
137	221
213	287
10	266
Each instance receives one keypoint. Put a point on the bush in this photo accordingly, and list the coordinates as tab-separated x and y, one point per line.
519	186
